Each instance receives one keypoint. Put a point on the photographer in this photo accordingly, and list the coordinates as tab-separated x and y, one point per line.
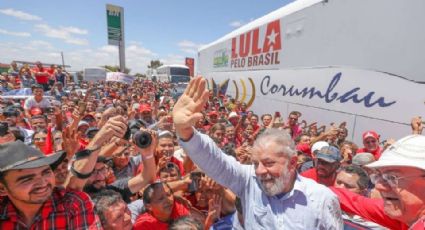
12	115
97	180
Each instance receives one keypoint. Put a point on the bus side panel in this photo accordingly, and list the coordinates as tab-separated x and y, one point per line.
359	97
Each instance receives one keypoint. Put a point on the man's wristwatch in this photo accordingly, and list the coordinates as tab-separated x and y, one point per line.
82	154
78	174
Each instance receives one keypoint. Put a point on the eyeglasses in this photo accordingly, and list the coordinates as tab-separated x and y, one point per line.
390	179
101	171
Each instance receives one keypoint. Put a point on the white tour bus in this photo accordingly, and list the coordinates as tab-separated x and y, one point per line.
179	75
333	60
173	73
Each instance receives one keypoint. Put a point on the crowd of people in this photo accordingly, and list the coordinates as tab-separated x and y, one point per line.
122	156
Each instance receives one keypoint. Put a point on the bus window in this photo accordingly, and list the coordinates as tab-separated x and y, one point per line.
179	79
179	71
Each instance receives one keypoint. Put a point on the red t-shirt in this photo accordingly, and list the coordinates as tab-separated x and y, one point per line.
312	174
147	221
41	78
369	209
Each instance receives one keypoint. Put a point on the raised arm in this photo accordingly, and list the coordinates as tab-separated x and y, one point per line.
148	175
368	208
84	165
201	148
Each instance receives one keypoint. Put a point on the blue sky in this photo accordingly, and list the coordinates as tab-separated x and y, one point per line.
165	30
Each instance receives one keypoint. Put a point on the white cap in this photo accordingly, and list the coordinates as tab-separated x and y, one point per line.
233	114
136	106
81	123
407	152
362	159
319	145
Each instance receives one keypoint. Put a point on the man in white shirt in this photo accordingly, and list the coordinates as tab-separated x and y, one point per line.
37	100
273	195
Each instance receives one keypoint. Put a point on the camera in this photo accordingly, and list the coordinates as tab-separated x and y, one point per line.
142	139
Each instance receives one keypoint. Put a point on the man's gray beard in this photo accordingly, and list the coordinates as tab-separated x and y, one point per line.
279	183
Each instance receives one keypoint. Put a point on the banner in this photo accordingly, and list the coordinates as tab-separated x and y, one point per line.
190	62
119	77
16	94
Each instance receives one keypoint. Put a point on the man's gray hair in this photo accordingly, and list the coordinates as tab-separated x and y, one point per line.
279	137
103	200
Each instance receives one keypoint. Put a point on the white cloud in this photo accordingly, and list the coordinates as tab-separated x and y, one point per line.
109	49
77	41
63	33
20	14
172	59
236	24
139	51
54	54
19	34
74	30
42	44
189	46
137	56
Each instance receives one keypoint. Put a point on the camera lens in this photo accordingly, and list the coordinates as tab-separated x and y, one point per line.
142	139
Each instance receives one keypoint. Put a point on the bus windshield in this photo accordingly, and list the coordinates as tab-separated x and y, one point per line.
179	71
179	79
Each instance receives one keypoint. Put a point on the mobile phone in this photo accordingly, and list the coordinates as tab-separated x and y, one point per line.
194	185
82	105
88	93
157	97
4	128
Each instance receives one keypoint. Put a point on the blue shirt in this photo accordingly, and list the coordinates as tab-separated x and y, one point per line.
308	205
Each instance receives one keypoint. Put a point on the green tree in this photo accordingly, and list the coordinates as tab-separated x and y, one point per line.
155	64
139	75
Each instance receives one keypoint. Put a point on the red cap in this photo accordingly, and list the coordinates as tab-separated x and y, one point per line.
145	107
213	113
370	134
36	111
305	148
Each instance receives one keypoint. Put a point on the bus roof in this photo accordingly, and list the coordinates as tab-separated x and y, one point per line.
173	66
288	9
